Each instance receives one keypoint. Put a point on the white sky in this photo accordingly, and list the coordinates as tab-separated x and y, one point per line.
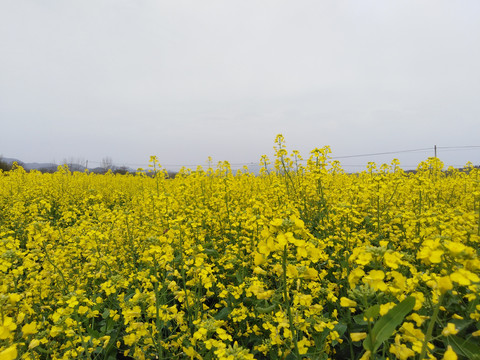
185	80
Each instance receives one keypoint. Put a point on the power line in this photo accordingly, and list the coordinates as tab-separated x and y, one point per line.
459	147
445	148
381	153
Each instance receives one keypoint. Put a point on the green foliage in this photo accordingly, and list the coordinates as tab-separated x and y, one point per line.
387	324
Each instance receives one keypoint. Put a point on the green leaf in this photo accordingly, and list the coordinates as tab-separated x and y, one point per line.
265	310
239	276
461	324
372	312
358	319
93	333
464	347
340	328
222	314
106	313
386	325
212	252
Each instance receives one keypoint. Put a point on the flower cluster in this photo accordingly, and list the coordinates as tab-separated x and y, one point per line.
300	261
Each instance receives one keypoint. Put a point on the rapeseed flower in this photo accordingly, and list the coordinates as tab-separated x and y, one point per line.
358	336
450	329
9	353
450	354
234	265
345	302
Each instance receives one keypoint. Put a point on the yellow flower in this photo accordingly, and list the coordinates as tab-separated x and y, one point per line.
20	317
29	329
33	344
259	271
411	334
460	278
292	271
129	339
281	240
6	328
9	353
450	354
417	318
346	302
355	275
266	246
399	282
375	280
82	309
131	314
364	258
419	300
55	330
385	308
259	259
303	346
366	355
401	351
57	315
222	334
436	256
276	223
449	330
429	253
72	302
464	277
455	247
444	284
14	298
392	259
190	352
358	336
200	334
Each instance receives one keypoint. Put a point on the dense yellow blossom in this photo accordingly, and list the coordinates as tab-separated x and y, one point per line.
300	261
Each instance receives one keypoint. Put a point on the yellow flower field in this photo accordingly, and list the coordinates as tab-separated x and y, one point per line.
302	261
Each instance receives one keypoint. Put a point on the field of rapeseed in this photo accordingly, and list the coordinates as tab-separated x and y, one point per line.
302	261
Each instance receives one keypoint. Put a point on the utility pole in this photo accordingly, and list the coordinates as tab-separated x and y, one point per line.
435	150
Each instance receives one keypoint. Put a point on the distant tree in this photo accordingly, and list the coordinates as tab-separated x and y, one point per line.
4	165
75	164
122	170
44	170
172	174
107	164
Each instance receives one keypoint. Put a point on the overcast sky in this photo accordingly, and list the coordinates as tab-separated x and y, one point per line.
185	80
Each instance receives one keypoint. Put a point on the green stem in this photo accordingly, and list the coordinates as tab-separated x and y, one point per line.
287	302
433	320
65	287
132	245
378	209
157	298
478	227
184	280
284	266
369	324
288	176
420	204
